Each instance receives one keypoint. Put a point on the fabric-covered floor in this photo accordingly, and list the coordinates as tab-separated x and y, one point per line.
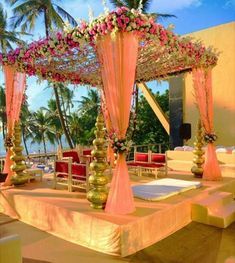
195	243
60	212
211	185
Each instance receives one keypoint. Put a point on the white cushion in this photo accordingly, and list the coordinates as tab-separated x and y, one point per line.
188	148
161	189
221	150
178	148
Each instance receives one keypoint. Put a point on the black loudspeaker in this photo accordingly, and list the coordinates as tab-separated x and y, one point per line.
185	131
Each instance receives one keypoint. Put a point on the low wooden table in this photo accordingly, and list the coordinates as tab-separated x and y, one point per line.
34	173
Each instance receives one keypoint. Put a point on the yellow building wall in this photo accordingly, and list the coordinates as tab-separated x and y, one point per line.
221	37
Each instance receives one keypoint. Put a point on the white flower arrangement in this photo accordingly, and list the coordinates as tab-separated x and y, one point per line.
120	145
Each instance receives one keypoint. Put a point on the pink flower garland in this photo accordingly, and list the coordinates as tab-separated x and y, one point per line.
122	19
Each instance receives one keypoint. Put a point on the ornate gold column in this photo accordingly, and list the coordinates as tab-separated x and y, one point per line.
198	159
19	176
98	193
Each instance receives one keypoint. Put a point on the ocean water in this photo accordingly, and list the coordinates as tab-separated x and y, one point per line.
33	148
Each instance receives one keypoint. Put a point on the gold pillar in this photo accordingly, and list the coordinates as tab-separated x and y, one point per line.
198	159
98	193
19	176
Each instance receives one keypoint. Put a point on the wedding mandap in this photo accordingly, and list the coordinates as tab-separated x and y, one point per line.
112	53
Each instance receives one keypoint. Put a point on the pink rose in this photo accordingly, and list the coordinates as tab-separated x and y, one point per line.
103	26
119	11
127	20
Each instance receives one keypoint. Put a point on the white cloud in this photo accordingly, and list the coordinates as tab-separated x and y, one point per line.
230	3
175	5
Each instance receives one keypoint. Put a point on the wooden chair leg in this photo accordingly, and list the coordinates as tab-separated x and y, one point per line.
155	172
70	188
70	181
54	181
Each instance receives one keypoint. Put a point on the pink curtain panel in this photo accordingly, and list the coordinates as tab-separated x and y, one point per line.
203	94
15	86
118	58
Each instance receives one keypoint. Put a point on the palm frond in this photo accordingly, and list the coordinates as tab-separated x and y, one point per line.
16	21
26	7
11	2
146	4
117	3
54	18
66	15
160	16
3	18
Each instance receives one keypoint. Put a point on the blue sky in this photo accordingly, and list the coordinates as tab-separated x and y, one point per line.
192	15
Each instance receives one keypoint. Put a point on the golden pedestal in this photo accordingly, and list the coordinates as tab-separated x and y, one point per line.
19	177
198	159
98	193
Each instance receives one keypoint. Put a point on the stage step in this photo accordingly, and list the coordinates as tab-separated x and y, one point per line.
217	209
223	217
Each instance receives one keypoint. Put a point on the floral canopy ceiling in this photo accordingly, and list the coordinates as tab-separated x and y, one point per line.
71	56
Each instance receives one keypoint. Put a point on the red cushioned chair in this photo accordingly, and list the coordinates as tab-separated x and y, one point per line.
86	152
80	176
72	154
158	158
147	162
62	173
140	159
72	175
86	156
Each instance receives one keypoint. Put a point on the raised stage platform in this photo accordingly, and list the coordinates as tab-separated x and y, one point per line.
69	216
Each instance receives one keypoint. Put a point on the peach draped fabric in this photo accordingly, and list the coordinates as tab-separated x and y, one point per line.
203	93
15	86
118	58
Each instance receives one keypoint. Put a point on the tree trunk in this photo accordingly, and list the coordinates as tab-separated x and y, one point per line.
55	89
61	145
64	112
24	141
46	22
68	138
136	110
44	144
65	119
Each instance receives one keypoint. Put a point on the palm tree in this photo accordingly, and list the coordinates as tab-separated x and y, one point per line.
135	4
67	98
26	124
88	108
26	13
54	120
7	38
75	127
91	103
42	130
